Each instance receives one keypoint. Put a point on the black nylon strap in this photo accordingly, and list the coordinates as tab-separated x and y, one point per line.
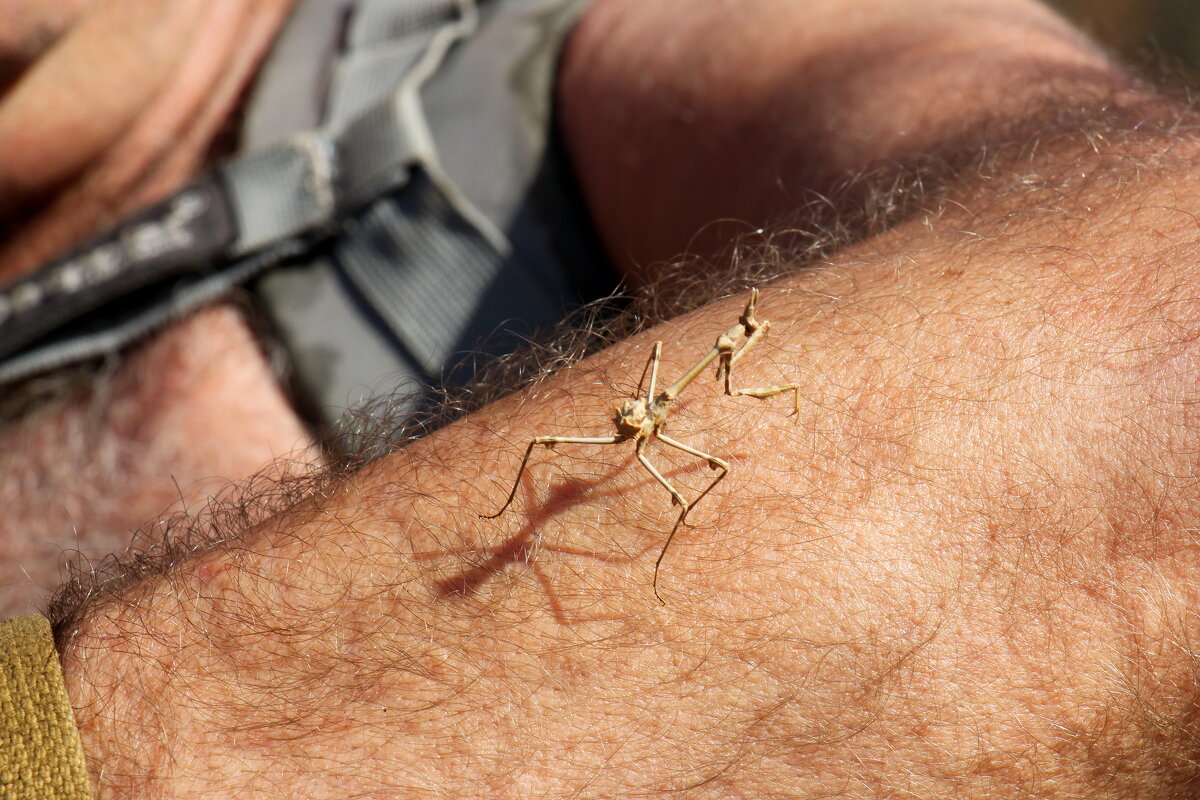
426	209
173	238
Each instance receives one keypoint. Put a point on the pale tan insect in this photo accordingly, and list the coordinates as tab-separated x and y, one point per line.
643	418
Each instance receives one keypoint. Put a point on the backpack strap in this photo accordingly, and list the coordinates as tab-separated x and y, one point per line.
421	211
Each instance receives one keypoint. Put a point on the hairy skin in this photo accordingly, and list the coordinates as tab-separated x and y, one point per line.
105	106
966	570
777	110
638	117
85	468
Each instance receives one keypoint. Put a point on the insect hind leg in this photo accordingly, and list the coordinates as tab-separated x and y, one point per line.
715	463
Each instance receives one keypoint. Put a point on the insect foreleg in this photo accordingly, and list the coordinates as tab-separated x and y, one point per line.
651	368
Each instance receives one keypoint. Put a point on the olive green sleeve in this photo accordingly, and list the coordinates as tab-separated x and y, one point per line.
40	754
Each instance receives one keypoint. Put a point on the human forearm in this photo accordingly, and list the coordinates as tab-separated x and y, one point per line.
965	570
201	406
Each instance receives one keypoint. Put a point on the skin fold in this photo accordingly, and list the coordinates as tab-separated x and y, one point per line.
964	569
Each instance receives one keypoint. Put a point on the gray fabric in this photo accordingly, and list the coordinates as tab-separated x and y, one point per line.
459	254
315	290
409	246
370	131
283	191
382	22
360	79
291	89
409	206
513	55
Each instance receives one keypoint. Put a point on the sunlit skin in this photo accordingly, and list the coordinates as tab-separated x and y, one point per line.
641	419
965	567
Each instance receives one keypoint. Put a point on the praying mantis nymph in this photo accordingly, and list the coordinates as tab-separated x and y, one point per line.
643	418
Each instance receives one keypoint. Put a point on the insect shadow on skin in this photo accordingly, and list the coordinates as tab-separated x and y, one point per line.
643	418
485	563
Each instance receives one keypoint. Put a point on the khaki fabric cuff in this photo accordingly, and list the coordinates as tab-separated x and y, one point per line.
41	757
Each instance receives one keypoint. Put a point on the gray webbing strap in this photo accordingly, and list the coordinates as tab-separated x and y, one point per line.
470	246
248	215
398	205
374	133
281	192
400	264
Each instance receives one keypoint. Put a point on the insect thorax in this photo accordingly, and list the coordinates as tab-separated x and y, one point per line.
631	417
